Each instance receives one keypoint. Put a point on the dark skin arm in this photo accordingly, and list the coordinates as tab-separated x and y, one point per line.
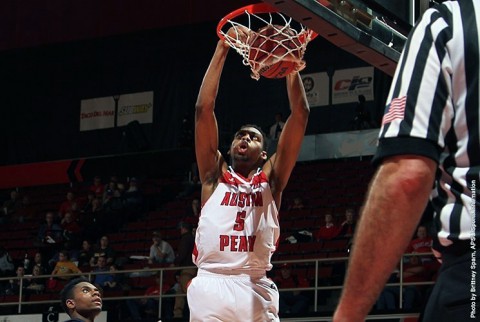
279	167
209	160
211	163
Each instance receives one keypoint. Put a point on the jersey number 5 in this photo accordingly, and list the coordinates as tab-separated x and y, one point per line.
240	221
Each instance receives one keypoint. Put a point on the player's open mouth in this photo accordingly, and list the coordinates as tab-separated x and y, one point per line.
242	147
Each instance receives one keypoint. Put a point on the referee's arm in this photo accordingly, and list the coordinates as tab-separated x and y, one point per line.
396	199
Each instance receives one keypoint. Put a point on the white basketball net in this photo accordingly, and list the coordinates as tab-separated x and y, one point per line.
285	32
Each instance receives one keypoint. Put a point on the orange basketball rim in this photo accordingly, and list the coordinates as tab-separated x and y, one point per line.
240	28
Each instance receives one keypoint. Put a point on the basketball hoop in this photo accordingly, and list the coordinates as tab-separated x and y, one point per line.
265	37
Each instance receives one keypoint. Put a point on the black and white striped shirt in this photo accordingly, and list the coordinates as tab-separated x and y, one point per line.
433	110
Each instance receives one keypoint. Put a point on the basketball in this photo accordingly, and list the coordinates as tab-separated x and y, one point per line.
275	51
279	69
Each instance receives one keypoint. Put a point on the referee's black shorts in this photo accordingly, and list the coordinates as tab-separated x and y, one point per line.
455	294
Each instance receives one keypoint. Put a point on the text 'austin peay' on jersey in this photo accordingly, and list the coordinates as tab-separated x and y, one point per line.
238	227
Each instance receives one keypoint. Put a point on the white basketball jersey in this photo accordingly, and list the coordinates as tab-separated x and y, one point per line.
238	227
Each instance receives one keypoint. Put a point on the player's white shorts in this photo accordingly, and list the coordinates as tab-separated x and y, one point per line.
238	297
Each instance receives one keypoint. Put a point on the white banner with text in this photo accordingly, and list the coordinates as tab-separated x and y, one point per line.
316	88
348	84
99	113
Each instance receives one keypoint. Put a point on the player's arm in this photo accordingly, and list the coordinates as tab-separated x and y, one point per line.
281	164
206	128
396	200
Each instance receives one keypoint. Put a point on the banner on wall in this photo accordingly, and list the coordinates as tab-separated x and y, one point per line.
99	113
135	107
316	88
349	83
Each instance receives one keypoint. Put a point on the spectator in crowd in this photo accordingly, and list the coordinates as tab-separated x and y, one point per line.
277	127
94	219
133	196
192	213
72	254
97	187
88	204
109	191
49	236
297	204
71	229
347	228
421	244
168	303
328	230
103	249
100	278
38	261
115	282
161	252
26	211
10	207
35	284
68	205
145	308
291	302
115	203
6	263
49	232
13	286
6	268
184	258
85	254
413	271
65	266
81	300
362	119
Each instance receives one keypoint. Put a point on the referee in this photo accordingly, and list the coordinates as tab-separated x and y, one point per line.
428	147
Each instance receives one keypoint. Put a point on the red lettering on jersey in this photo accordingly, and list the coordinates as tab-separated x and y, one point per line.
243	244
224	241
241	199
233	243
225	200
237	243
251	242
233	201
257	199
247	200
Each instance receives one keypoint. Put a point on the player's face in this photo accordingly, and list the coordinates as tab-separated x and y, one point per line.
247	144
86	299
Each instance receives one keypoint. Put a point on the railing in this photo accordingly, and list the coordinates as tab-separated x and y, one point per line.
161	274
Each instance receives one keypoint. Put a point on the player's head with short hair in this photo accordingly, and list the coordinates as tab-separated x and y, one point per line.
259	129
248	147
80	298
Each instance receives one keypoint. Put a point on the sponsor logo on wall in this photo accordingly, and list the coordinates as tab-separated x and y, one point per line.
349	83
316	88
105	112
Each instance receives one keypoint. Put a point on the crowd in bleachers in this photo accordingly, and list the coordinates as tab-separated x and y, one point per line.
98	227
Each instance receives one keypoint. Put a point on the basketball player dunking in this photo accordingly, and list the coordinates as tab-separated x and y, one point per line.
239	228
